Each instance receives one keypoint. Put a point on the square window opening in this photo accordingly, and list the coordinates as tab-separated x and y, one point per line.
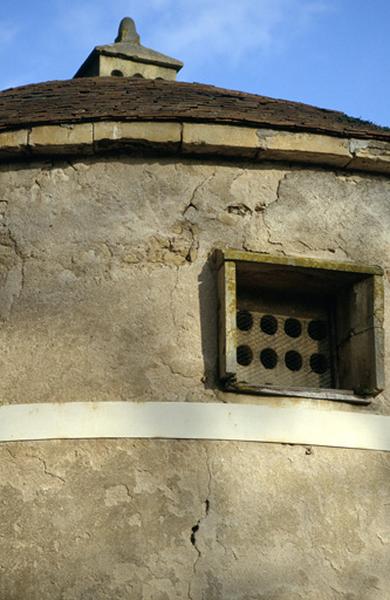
300	327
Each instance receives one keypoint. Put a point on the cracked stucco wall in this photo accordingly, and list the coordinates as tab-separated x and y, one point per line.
106	293
163	520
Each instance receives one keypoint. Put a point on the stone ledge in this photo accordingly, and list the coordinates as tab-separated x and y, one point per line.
112	134
370	155
198	139
226	140
13	142
303	147
61	139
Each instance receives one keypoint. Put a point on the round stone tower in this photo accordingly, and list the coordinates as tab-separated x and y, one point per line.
193	398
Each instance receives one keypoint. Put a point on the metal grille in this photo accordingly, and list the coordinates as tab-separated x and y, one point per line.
281	350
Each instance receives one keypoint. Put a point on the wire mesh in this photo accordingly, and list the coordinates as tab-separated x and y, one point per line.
281	350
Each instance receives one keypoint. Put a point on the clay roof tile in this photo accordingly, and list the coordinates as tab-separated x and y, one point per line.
129	99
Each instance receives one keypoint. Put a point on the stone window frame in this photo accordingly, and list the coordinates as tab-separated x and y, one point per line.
358	292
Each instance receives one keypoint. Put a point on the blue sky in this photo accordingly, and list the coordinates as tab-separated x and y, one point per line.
331	53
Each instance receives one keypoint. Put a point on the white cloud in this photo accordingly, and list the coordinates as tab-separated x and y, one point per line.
227	29
230	30
202	33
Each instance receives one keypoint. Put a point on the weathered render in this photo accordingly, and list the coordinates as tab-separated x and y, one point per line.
108	292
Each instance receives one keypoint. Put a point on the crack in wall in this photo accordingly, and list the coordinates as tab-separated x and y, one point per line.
338	247
45	468
173	297
192	203
196	528
174	371
264	210
15	285
193	250
71	165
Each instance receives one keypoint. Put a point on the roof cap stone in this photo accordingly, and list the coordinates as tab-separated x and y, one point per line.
127	57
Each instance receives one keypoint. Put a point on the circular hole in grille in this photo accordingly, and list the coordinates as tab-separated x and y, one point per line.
319	363
268	358
268	324
244	320
244	355
318	330
293	360
293	328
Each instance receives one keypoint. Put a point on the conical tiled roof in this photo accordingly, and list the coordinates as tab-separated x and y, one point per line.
135	99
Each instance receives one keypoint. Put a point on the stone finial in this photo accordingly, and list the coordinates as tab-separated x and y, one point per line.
127	32
126	57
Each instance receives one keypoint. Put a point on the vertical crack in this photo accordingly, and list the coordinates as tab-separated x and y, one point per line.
264	210
173	299
22	260
195	528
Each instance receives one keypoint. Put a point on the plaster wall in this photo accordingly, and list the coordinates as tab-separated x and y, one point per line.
107	293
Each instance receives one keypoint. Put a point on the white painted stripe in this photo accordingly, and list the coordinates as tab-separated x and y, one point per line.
193	420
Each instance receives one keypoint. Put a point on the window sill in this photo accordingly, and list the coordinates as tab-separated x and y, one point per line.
312	393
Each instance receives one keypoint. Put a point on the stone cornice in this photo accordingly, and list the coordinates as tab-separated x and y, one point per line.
189	139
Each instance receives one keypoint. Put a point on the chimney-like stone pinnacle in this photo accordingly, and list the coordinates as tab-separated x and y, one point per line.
126	57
